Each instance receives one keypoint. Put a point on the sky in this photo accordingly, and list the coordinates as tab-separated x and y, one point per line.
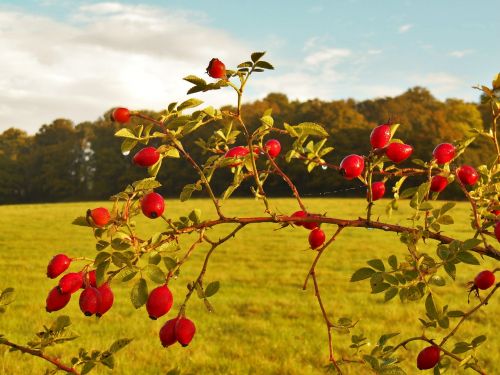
76	59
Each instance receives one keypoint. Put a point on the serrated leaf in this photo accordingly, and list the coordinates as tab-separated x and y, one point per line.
470	243
100	272
430	307
170	263
125	133
256	56
467	257
377	264
455	314
195	216
127	145
119	344
451	270
264	65
393	262
447	206
195	80
190	103
139	293
101	257
81	221
101	245
146	184
212	288
87	367
108	361
390	293
155	274
478	340
445	220
310	128
362	274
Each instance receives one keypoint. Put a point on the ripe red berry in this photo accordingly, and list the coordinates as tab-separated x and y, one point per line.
121	115
236	152
152	205
310	224
299	214
484	280
316	238
438	183
378	190
90	300
71	282
184	331
107	299
90	278
428	358
100	216
216	69
146	157
467	175
273	147
352	166
57	265
380	136
159	302
56	300
167	333
495	212
497	231
398	152
444	152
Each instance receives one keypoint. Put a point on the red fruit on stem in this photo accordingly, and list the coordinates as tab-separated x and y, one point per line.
380	136
121	115
184	331
428	358
216	69
167	333
398	152
91	277
107	299
444	152
273	147
484	280
237	152
56	300
378	190
146	157
316	238
71	282
352	166
100	216
57	265
495	212
299	214
497	231
438	183
90	299
467	175
152	205
159	302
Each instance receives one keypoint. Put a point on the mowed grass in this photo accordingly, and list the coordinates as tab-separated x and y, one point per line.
264	323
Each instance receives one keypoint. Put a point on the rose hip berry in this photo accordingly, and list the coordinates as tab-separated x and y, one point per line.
90	300
237	152
121	115
352	166
71	282
467	175
159	302
89	280
56	300
484	280
316	238
378	190
107	299
299	214
152	205
57	265
428	358
273	147
310	224
380	136
167	333
398	152
444	152
216	69
100	216
184	331
438	183
146	157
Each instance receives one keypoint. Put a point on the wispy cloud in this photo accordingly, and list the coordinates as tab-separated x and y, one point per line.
461	53
405	28
327	55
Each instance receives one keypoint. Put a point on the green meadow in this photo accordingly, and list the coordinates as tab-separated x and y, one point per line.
263	323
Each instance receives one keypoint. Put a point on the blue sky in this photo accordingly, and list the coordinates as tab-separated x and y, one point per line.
76	59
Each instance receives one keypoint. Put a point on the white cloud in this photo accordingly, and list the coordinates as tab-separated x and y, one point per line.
405	28
111	54
327	55
460	54
374	51
439	83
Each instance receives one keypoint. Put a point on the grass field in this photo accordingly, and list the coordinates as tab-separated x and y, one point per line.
263	322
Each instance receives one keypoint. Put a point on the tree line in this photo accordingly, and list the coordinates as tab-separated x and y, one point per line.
68	162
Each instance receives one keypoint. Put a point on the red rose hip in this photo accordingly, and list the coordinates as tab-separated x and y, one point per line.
484	280
438	183
167	333
107	299
89	279
380	136
273	147
352	166
444	153
146	157
152	205
378	190
90	300
398	152
121	115
236	152
71	282
467	175
316	238
184	331
57	265
310	224
56	300
100	216
299	214
216	69
159	302
428	358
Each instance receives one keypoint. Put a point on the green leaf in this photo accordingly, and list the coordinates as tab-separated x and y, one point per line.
310	128
450	270
377	283
119	345
447	206
455	314
392	370
101	257
101	245
212	288
445	220
146	184
362	274
391	279
187	191
100	272
470	243
195	216
7	296
425	206
170	263
190	103
372	361
81	221
391	293
430	307
377	264
155	274
256	56
437	280
125	133
154	258
195	80
139	293
127	145
108	361
461	347
87	367
393	262
478	340
467	257
264	65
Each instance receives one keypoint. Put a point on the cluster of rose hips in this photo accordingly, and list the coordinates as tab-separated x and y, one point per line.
272	146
